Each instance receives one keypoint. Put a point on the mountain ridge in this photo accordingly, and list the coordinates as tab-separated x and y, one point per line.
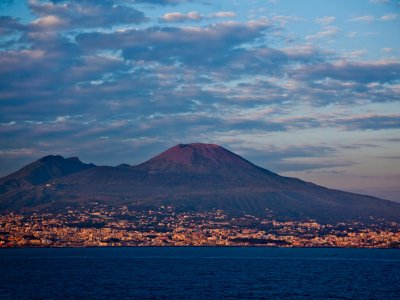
187	176
42	170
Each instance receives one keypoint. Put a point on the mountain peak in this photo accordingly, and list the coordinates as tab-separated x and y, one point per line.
51	158
188	154
197	145
195	157
75	159
58	158
47	168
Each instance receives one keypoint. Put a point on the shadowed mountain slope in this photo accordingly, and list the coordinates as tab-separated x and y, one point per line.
41	171
190	177
17	187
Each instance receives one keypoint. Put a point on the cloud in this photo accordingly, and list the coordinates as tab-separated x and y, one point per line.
223	14
291	166
323	91
180	17
41	75
370	18
16	153
242	61
194	16
354	54
250	94
291	158
171	44
10	25
328	32
325	20
365	19
389	17
84	14
370	122
282	20
365	72
49	21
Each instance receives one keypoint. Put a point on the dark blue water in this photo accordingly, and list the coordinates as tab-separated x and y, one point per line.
199	273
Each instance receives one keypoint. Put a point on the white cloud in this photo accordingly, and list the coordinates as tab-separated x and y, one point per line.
49	21
366	19
329	31
224	14
83	13
194	16
389	17
181	17
325	20
354	54
283	20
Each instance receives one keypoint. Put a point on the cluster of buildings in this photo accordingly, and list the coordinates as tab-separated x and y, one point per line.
100	225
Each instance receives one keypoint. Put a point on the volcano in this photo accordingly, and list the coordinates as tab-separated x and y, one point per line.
193	177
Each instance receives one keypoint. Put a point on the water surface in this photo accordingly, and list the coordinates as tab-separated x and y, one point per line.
200	273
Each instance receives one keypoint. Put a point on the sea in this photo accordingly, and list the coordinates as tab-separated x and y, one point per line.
199	273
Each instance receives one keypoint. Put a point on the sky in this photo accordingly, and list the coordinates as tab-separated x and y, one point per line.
308	89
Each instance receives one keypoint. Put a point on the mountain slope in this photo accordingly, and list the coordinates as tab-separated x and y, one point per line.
196	158
196	177
17	187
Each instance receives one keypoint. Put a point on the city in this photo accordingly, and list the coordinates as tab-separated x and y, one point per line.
98	225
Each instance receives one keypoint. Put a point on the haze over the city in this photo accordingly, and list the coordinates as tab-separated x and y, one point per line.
309	89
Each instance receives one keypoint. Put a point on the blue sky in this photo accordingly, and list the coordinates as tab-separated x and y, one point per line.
309	89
